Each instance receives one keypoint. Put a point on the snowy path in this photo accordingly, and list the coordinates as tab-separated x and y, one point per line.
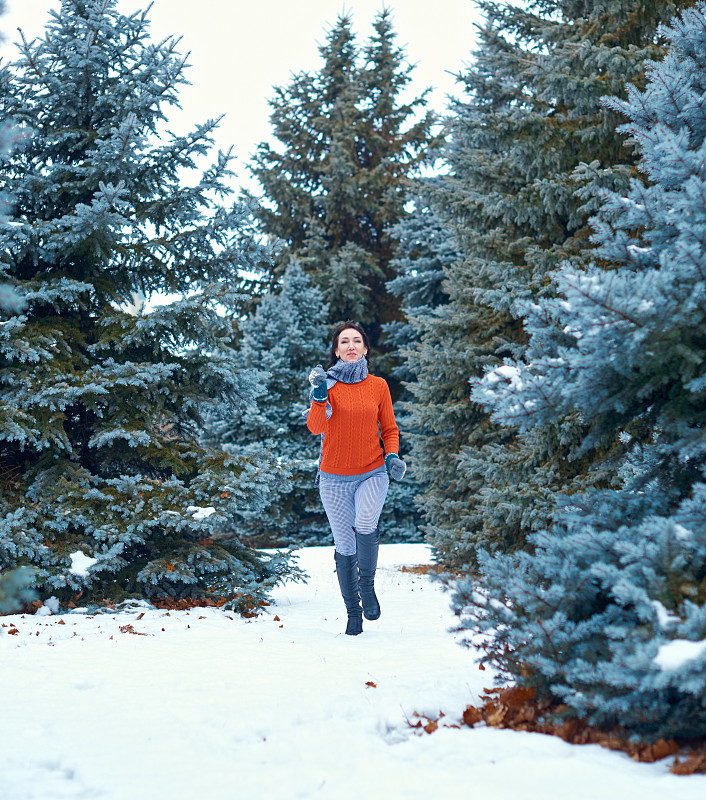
208	706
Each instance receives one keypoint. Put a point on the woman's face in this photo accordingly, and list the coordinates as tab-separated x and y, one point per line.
351	346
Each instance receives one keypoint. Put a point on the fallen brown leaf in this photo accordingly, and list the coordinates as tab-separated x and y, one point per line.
693	765
431	726
130	629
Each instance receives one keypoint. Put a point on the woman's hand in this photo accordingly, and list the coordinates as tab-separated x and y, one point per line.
317	378
395	466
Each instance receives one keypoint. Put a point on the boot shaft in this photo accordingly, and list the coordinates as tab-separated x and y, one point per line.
367	546
347	573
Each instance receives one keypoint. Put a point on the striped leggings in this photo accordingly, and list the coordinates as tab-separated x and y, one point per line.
350	504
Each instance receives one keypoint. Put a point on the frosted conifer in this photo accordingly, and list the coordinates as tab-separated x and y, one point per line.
101	396
13	584
528	152
281	342
336	182
424	249
608	614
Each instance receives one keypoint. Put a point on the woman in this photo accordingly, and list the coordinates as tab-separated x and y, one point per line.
347	404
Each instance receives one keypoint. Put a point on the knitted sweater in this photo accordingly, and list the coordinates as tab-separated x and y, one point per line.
351	439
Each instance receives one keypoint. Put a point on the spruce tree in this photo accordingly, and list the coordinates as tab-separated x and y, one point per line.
424	248
608	615
281	342
9	299
13	584
102	399
527	153
336	181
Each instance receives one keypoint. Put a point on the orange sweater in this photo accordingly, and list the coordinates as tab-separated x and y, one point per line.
351	438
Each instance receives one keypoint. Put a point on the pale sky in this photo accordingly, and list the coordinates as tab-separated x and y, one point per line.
241	50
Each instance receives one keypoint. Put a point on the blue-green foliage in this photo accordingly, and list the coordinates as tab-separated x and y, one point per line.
528	148
424	248
9	299
14	591
102	397
281	342
347	143
608	615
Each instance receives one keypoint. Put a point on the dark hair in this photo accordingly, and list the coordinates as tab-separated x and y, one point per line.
337	331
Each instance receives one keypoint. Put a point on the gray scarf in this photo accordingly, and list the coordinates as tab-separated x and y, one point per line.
345	372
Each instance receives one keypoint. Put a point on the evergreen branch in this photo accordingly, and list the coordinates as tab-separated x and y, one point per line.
602	303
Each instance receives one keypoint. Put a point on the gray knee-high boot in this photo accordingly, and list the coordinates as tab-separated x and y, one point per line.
347	571
367	545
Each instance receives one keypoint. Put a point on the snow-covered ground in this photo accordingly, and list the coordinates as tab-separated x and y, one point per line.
205	705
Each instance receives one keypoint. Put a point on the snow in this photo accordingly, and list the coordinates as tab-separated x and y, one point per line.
80	563
673	655
147	703
683	533
51	606
664	618
201	513
508	372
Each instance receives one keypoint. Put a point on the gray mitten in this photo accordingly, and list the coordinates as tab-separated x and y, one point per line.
317	378
396	466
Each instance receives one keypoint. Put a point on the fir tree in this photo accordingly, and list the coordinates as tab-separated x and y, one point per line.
517	205
9	299
101	400
281	342
337	181
13	584
608	615
424	248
